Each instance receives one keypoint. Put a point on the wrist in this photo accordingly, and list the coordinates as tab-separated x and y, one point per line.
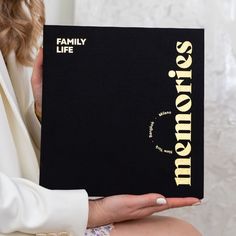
97	216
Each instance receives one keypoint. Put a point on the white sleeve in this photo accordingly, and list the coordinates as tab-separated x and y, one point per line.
29	208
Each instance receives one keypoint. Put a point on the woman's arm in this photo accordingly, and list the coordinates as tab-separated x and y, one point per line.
29	208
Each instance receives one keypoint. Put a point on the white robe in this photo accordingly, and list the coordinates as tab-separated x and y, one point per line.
24	205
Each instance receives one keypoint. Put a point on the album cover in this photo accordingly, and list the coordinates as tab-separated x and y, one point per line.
123	110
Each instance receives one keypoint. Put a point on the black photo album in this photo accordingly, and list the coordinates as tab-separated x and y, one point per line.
123	110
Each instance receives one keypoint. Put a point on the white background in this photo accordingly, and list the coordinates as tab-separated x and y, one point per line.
217	215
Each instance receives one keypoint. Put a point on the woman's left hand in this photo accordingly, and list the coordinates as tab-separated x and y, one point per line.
36	82
120	208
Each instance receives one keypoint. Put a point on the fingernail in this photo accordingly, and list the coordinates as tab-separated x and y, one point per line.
197	203
161	201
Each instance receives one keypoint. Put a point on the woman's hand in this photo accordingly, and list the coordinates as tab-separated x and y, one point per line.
36	82
129	207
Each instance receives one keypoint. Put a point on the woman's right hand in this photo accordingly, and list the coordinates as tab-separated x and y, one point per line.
129	207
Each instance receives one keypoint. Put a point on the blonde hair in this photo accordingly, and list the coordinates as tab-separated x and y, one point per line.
21	23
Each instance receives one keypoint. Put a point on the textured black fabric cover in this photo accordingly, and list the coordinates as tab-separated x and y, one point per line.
99	104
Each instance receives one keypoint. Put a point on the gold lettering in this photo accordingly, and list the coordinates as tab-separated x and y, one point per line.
183	88
184	47
184	63
184	74
183	150
183	103
180	74
183	169
183	181
183	127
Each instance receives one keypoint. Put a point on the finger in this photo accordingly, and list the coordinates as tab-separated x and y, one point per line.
171	203
181	202
147	200
38	68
